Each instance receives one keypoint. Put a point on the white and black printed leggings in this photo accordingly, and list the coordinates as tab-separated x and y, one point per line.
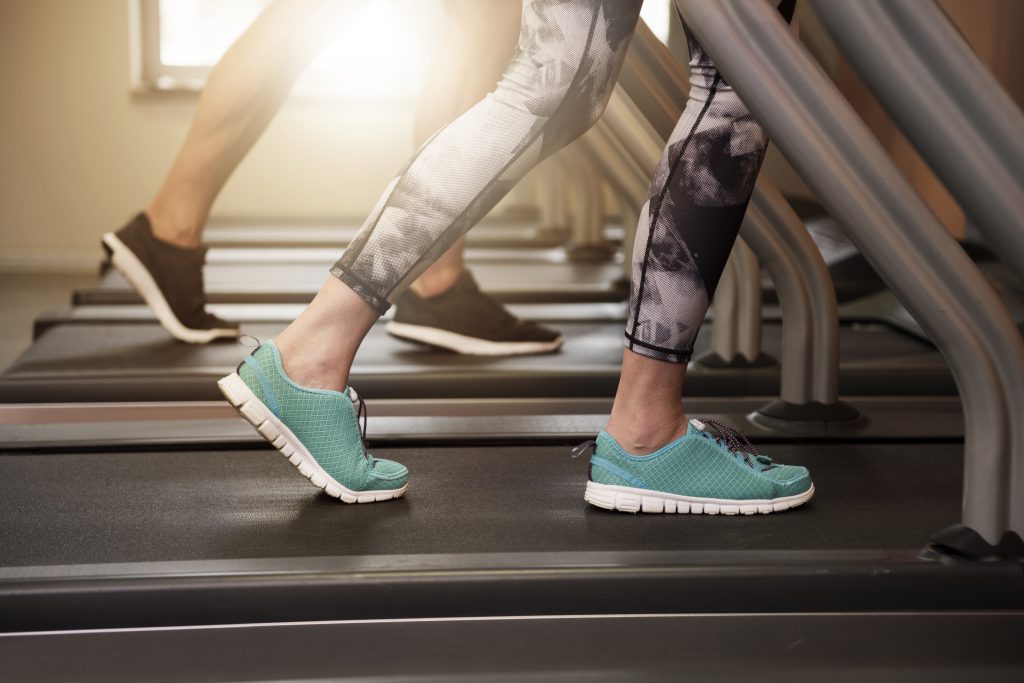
556	86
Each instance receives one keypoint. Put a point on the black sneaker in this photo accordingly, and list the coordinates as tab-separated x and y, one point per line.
170	280
465	320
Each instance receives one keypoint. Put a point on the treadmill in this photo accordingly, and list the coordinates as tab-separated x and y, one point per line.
223	551
219	563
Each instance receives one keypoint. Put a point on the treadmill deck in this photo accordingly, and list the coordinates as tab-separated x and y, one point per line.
167	506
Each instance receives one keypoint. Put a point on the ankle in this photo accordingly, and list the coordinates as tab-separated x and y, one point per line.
312	364
435	281
318	347
642	436
309	368
180	234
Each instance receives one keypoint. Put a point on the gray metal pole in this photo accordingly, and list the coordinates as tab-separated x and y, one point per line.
748	333
736	334
551	198
725	332
587	243
625	176
794	299
946	102
639	139
648	67
852	176
824	359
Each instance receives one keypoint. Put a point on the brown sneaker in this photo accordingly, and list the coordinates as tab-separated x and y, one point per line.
170	280
465	320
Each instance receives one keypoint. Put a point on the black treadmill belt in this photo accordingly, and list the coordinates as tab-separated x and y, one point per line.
131	361
171	506
336	234
298	282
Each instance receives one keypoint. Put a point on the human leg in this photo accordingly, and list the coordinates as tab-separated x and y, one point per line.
159	251
557	85
241	96
687	227
444	307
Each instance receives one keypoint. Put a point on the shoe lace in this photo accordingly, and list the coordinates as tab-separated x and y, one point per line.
582	448
362	414
738	443
248	341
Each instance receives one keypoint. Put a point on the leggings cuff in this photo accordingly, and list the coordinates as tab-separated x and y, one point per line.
658	352
365	292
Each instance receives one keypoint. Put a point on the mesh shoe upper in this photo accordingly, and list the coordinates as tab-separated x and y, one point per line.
325	422
465	310
178	273
698	465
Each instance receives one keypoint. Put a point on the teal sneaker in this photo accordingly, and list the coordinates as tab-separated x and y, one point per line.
317	430
700	473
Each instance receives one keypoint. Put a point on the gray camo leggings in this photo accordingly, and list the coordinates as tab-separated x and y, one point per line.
558	83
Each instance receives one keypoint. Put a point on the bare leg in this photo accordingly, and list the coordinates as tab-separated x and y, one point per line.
481	34
648	409
243	93
318	348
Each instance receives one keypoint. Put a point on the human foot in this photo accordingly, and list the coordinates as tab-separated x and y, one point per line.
169	279
711	469
316	429
465	320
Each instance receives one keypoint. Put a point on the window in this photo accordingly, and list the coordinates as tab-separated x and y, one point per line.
377	55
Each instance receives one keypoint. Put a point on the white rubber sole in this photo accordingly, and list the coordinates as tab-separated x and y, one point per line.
238	394
469	346
128	264
628	499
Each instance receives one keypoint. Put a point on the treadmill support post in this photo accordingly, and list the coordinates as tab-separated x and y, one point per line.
851	175
946	102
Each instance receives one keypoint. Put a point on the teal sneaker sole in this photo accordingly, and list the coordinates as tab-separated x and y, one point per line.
628	499
250	407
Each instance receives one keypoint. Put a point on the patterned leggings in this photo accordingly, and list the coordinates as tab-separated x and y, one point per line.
558	83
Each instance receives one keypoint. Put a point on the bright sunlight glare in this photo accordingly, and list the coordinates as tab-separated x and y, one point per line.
657	14
380	53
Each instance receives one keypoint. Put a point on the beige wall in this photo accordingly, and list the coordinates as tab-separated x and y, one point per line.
80	153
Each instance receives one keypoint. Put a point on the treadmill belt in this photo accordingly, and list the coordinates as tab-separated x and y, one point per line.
336	234
297	282
170	506
141	362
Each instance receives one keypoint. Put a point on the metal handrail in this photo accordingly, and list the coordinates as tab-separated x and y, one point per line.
946	102
851	175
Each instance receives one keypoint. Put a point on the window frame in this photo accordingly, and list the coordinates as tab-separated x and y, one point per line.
149	75
148	72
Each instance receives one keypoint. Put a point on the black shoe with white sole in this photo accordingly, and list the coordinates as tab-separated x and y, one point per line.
170	279
465	320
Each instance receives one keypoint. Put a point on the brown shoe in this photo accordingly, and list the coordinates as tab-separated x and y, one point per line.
170	280
465	320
